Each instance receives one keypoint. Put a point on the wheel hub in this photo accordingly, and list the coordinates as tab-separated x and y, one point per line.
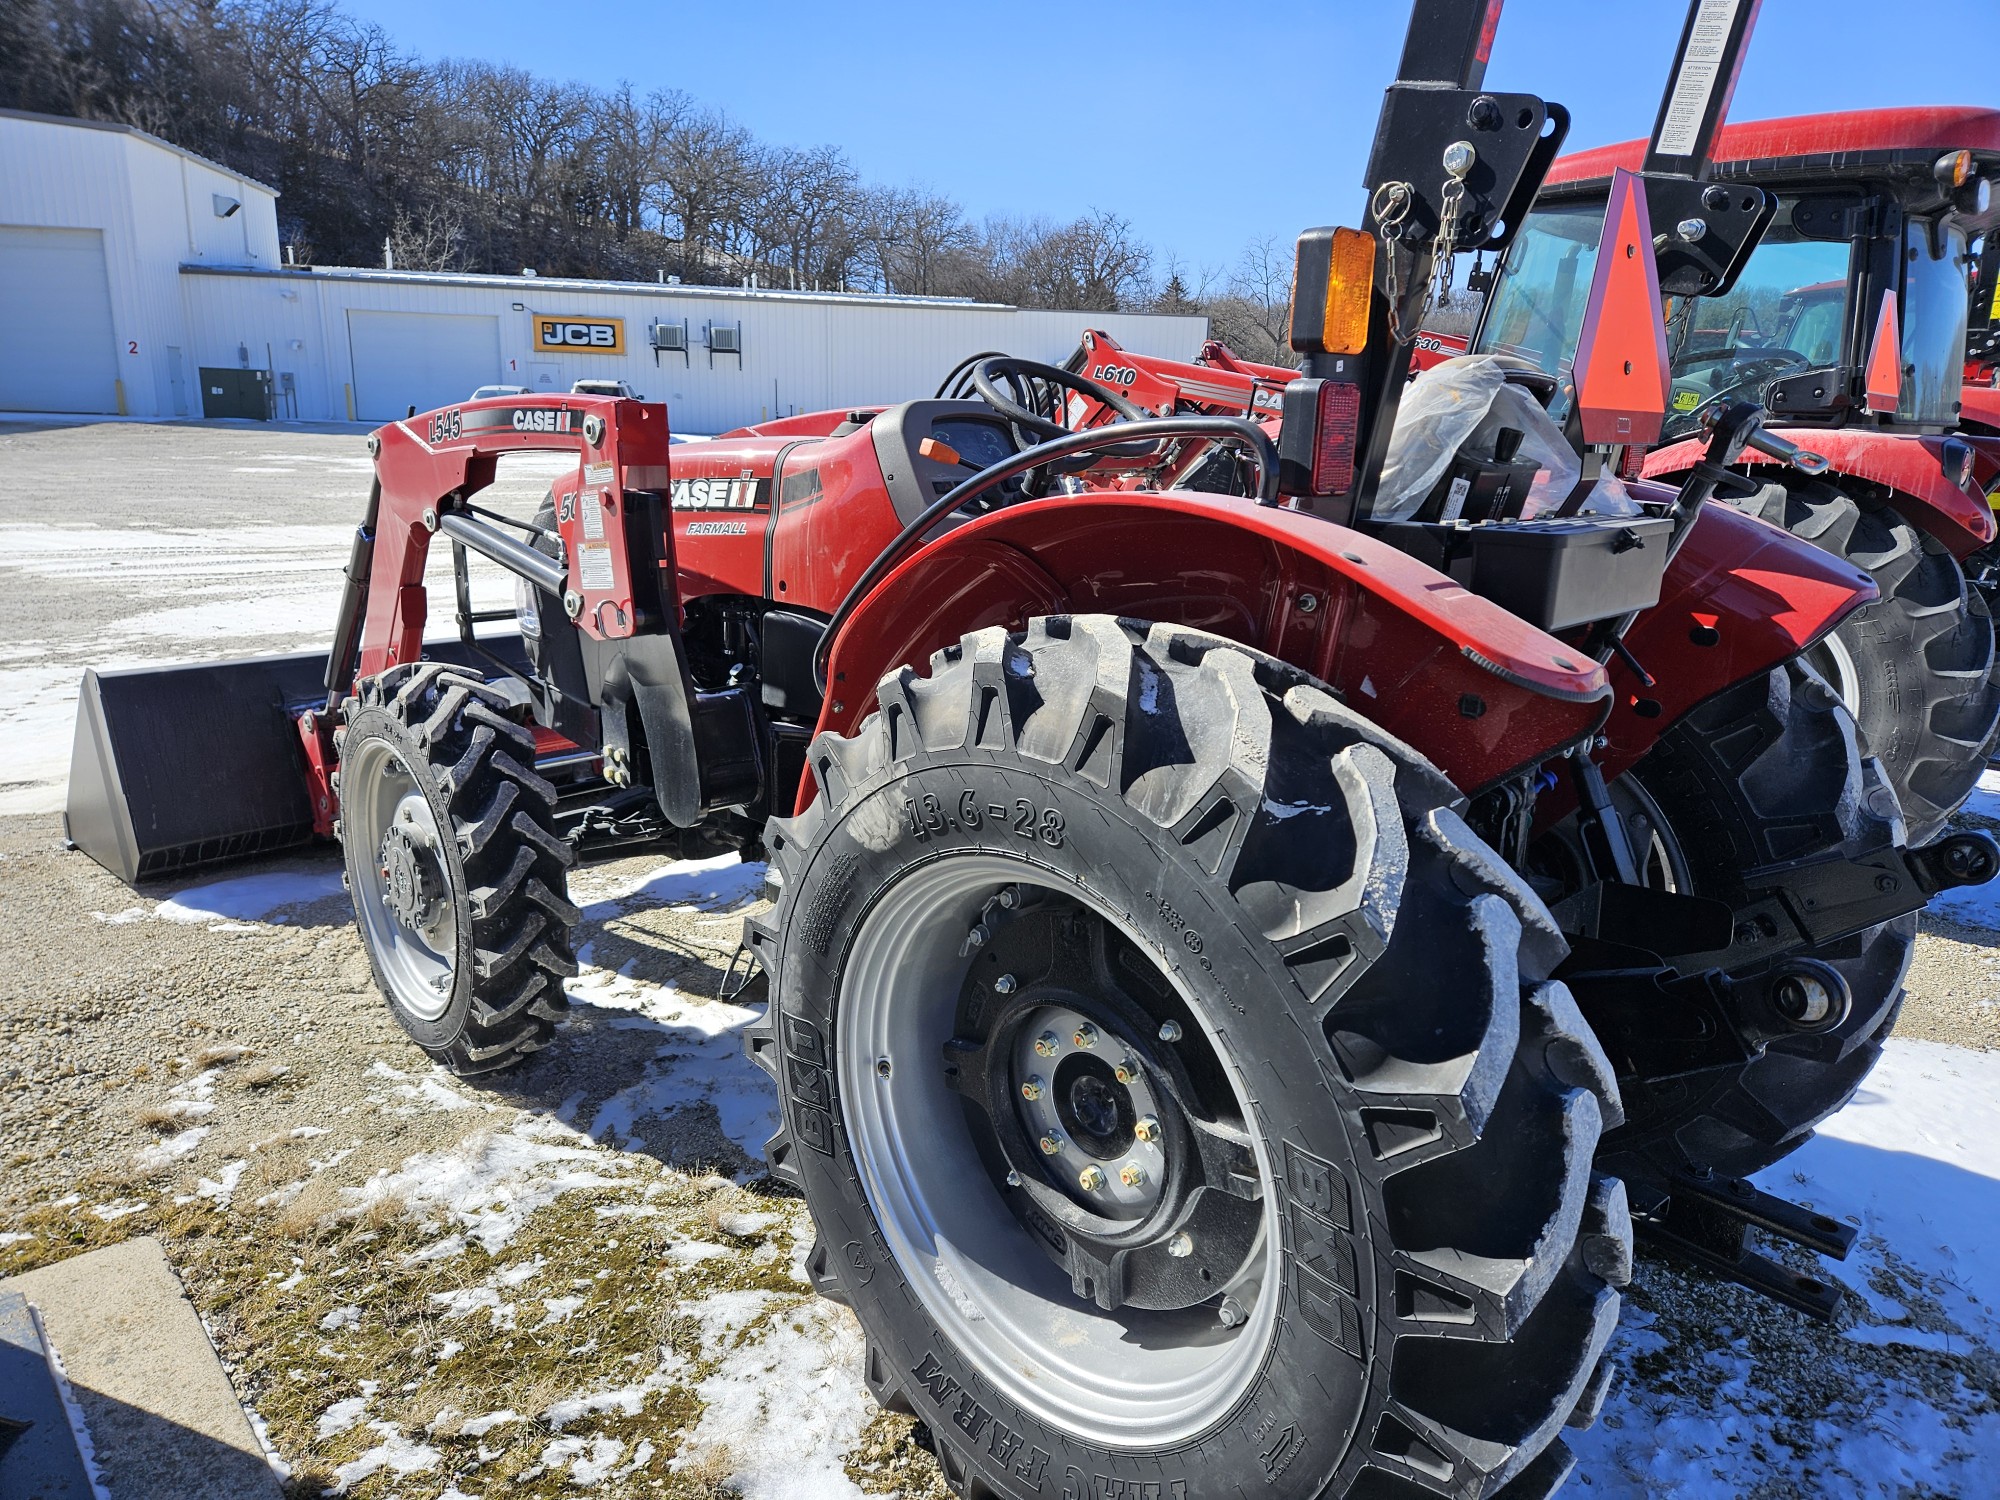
414	885
1066	1076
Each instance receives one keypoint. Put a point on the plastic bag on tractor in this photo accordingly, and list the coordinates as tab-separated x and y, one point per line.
1461	405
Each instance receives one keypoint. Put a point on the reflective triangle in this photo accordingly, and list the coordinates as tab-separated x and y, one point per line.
1885	359
1621	355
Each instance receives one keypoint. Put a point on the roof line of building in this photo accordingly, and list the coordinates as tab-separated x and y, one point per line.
145	135
577	285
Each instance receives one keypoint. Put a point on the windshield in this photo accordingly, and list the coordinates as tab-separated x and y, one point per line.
1786	313
1537	307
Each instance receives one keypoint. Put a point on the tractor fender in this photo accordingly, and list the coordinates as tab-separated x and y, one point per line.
1907	463
1979	405
1741	596
1477	689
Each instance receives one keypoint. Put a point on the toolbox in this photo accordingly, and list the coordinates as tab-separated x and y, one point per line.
1554	571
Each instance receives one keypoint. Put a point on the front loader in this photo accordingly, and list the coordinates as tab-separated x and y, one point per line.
1237	970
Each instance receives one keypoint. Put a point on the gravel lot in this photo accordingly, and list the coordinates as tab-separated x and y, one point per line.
575	1276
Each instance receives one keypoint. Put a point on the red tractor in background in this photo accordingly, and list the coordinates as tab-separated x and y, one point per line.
1239	968
1912	447
1848	324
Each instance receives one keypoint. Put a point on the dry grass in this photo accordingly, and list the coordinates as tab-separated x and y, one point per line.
164	1119
219	1055
708	1470
262	1075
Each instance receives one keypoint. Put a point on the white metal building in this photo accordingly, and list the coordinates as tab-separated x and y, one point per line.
97	223
129	266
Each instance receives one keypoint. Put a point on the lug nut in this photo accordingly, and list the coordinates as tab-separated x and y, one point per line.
1127	1070
1132	1175
1052	1144
1170	1031
1048	1044
1086	1035
1090	1179
1033	1089
1232	1313
1146	1128
1014	1180
1004	985
1181	1246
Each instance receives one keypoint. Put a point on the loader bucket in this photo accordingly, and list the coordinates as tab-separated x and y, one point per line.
175	767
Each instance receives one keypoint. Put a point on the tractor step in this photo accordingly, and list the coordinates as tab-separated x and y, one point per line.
1707	1219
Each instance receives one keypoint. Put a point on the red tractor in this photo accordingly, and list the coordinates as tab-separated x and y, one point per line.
1847	323
1234	985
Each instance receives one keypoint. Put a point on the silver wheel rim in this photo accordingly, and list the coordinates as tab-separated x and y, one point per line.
1134	1377
390	830
1833	661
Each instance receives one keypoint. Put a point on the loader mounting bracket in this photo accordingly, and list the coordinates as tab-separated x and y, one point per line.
1707	1219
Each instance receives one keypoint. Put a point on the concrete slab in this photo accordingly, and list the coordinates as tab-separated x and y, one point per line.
163	1418
38	1457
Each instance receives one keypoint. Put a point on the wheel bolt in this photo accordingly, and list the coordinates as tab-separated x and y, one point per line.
1232	1313
1146	1128
1052	1144
1127	1070
1048	1044
1013	1179
1181	1246
1086	1035
1033	1089
1132	1174
1004	985
1090	1179
1170	1031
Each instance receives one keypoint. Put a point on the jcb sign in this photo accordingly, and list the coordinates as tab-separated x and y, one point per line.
579	335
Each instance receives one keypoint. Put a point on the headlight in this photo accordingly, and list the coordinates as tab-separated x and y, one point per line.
526	610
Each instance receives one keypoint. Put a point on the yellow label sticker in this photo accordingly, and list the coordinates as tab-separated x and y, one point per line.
1686	400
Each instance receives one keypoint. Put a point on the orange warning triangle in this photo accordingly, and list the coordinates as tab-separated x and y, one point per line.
1885	360
1621	355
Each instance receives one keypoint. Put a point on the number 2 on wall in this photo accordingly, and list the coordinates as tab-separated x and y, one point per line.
131	346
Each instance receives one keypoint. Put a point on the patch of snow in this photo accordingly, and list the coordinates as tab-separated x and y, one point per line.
1914	1161
700	1060
165	1153
341	1317
109	1212
694	1252
14	1237
121	918
251	898
489	1184
222	1187
787	1405
395	1452
560	1309
480	1426
342	1415
429	1091
722	883
627	1400
590	1460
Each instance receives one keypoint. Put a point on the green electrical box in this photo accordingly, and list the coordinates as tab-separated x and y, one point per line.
236	393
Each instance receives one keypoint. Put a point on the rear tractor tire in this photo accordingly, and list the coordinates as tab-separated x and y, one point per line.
1177	1086
1916	669
457	873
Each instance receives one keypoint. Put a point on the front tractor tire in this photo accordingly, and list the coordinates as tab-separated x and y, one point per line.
1177	1086
454	864
1916	668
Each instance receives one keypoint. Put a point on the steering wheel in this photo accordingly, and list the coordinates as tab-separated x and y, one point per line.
1030	395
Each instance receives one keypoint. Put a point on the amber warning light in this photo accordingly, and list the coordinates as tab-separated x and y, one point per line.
1332	280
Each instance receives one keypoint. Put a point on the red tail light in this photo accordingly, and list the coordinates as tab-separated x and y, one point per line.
1333	440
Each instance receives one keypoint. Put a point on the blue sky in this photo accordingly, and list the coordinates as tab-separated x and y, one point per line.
1206	125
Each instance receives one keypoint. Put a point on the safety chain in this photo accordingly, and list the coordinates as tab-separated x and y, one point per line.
1391	211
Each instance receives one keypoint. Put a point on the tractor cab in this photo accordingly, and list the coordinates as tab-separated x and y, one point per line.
1873	207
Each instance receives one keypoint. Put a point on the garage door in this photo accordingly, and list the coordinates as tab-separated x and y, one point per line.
423	360
55	303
